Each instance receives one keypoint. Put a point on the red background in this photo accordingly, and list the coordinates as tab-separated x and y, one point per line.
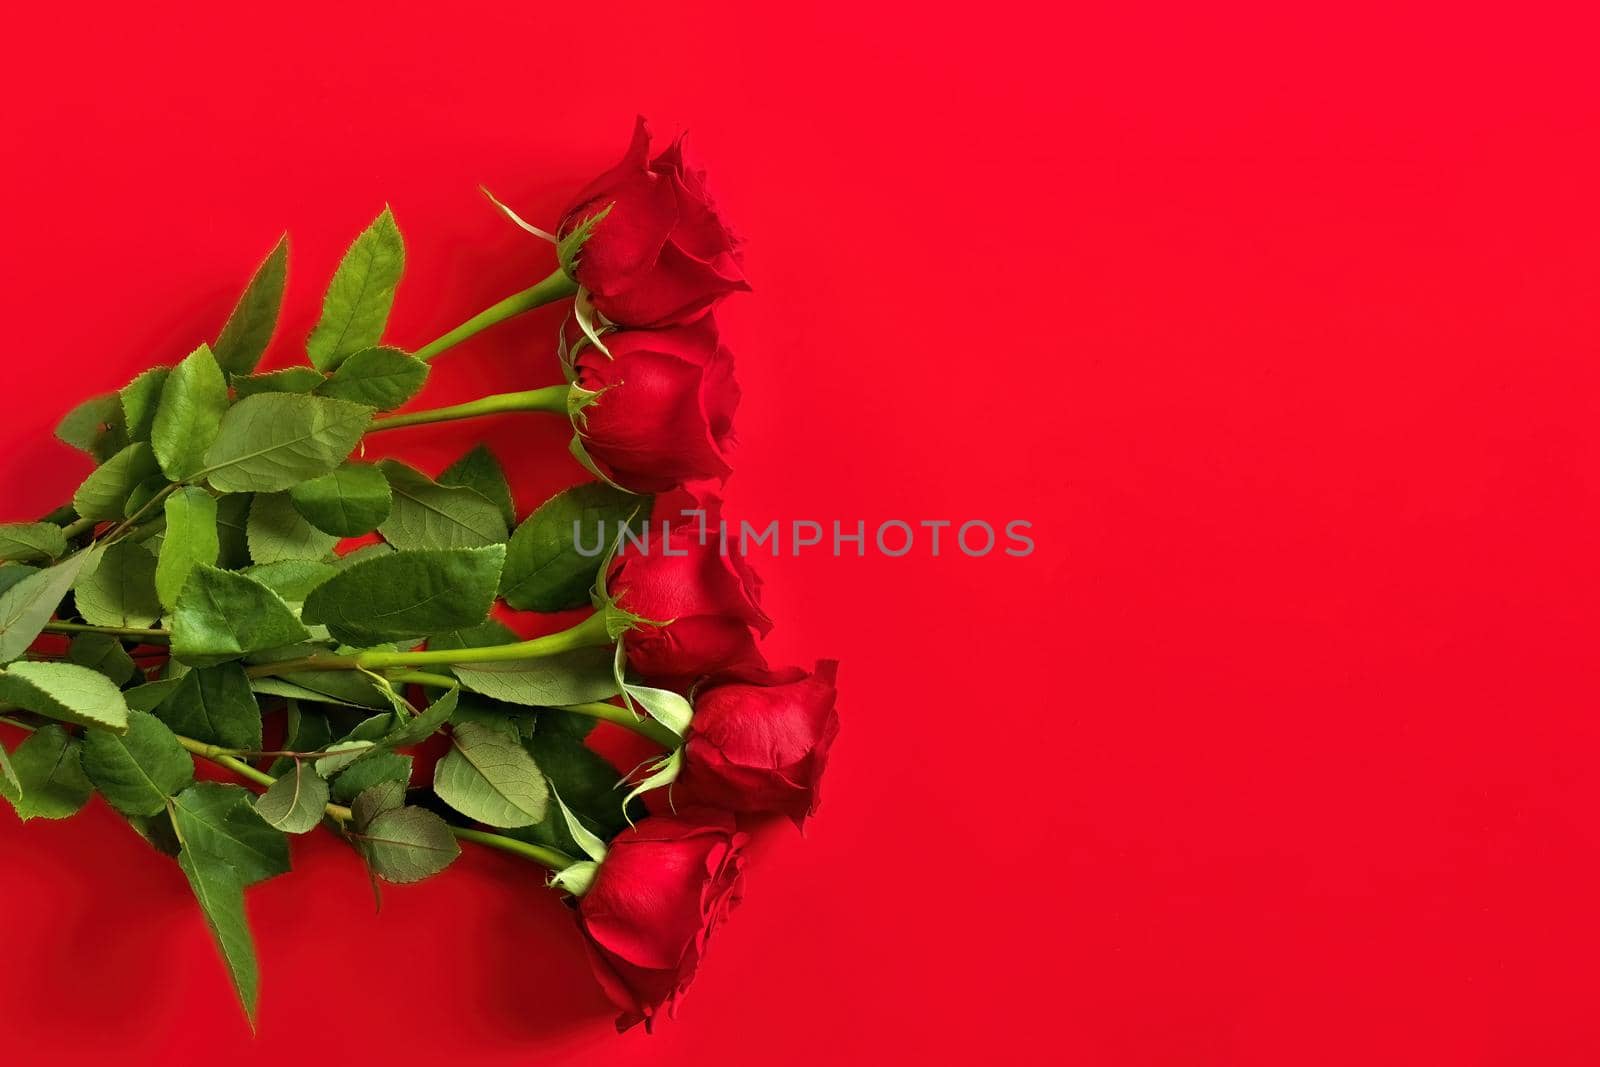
1281	329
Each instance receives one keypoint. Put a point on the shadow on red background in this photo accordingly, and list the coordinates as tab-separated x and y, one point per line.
1280	328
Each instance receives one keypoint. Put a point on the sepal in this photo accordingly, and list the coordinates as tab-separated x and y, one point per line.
592	846
579	398
590	321
663	771
581	454
543	235
577	878
666	707
569	347
569	247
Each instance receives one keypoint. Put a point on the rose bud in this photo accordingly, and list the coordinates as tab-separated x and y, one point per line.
760	741
709	603
661	890
663	413
661	254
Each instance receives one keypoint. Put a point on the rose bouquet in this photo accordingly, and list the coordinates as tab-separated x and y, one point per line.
229	574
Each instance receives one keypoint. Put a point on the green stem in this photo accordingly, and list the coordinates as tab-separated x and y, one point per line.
143	635
552	398
132	521
590	633
644	726
556	287
431	681
548	857
224	757
76	528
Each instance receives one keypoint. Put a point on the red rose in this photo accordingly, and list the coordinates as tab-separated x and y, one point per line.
662	256
710	603
662	889
760	741
664	416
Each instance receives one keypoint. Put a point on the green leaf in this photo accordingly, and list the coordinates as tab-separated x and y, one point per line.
31	542
12	573
95	426
148	697
303	731
490	779
355	746
67	692
544	569
121	590
157	831
233	535
140	399
382	378
217	887
221	821
288	380
102	495
29	604
341	755
215	705
347	502
586	781
492	632
429	515
103	654
10	784
372	771
137	771
293	579
143	494
356	307
191	540
347	688
407	594
297	801
576	677
370	803
481	472
277	532
272	441
561	723
362	554
50	776
506	719
248	331
222	615
192	405
408	844
423	726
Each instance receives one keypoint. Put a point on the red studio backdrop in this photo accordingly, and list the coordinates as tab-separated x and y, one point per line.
1280	326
